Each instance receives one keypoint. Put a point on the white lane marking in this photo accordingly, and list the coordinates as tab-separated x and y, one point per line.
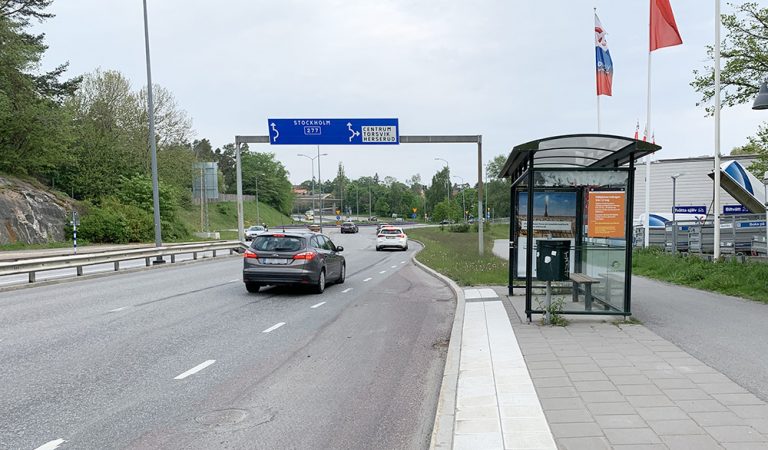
383	271
195	369
234	281
368	279
402	262
51	445
393	267
318	305
118	309
346	290
274	327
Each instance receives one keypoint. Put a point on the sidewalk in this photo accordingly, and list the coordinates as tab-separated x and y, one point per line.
595	384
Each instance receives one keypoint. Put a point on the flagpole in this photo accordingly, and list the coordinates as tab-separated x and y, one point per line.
647	221
598	114
716	201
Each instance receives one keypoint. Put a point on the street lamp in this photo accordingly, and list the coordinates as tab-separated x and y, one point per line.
313	158
761	101
448	182
463	203
152	142
674	206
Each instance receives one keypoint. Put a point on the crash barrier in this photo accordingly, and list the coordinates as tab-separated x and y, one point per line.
739	235
33	265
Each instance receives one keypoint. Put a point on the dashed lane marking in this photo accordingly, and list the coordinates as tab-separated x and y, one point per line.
195	369
51	445
393	267
368	279
383	271
318	305
402	262
274	327
346	290
118	309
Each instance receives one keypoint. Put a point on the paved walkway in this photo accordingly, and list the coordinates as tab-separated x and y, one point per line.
594	384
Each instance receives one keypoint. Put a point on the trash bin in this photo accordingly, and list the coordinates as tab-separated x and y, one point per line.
552	260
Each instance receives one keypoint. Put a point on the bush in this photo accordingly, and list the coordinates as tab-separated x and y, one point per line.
118	223
104	224
459	228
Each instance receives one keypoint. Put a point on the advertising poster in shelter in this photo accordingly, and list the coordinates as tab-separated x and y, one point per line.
606	213
554	217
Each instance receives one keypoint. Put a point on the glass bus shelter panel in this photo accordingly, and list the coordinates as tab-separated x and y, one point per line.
605	264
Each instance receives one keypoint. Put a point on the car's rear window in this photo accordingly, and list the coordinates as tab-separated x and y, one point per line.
278	243
391	231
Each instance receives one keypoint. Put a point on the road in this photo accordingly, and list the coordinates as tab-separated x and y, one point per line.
183	357
727	333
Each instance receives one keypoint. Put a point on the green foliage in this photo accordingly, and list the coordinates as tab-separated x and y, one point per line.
263	172
446	210
555	310
459	228
439	190
746	280
456	256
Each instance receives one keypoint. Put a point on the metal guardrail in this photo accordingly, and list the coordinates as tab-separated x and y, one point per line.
33	265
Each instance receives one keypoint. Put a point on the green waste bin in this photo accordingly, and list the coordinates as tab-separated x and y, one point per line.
552	260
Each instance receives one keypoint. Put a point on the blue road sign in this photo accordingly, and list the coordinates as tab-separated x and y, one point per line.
333	132
413	215
735	209
690	210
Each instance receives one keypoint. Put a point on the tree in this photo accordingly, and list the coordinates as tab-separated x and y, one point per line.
439	190
34	126
263	172
745	52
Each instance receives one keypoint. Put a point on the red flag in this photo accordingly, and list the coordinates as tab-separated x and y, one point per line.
637	129
664	31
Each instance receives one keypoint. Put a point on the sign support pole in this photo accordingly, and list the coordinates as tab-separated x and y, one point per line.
480	214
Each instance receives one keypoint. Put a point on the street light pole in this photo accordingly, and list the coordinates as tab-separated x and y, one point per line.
311	158
716	202
320	182
152	143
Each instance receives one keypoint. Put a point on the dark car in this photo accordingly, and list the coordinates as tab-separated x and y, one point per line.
380	226
349	227
306	259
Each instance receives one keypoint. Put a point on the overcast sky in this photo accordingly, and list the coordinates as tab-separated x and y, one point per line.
511	71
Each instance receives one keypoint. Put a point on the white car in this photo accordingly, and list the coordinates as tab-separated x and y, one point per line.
391	237
254	231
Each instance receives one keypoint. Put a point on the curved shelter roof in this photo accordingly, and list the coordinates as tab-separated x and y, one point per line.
577	151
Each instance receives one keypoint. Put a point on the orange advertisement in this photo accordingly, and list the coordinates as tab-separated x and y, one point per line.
606	214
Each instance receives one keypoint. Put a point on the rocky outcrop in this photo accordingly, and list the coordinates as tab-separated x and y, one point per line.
30	214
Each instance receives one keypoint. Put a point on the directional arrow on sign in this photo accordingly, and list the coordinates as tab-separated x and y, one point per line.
354	133
277	133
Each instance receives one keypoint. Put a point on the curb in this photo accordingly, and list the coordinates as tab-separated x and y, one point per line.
442	430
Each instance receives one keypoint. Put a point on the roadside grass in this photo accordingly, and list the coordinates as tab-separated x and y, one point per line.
747	280
455	256
48	245
499	231
223	216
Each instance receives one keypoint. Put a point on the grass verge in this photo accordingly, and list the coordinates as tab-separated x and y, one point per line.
455	256
223	216
746	280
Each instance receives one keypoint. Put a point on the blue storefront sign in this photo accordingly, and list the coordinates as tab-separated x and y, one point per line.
333	131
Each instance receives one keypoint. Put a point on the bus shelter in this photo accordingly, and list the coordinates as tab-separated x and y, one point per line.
571	221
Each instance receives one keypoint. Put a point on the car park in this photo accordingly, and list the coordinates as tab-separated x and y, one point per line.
254	231
389	237
349	227
302	258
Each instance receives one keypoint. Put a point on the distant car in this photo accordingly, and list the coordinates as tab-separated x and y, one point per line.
399	220
314	228
380	226
373	219
391	237
445	222
254	231
349	227
305	259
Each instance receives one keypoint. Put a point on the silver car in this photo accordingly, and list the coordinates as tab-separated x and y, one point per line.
301	258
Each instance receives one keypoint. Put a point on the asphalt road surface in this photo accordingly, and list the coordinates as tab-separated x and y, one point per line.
182	357
727	333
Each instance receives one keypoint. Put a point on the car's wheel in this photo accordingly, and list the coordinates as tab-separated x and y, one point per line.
378	249
343	275
320	286
405	248
252	287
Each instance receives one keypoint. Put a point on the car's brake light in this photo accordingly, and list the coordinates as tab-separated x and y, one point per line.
381	235
278	235
250	255
305	255
401	235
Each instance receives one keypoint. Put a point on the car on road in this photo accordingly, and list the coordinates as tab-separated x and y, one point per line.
389	237
349	227
380	226
302	258
315	228
254	231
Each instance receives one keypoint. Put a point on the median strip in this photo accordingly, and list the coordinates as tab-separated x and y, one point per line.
195	369
274	327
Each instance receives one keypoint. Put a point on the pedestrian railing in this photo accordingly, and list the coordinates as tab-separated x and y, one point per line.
33	265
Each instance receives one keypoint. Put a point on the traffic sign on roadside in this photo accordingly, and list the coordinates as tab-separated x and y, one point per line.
333	132
690	210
